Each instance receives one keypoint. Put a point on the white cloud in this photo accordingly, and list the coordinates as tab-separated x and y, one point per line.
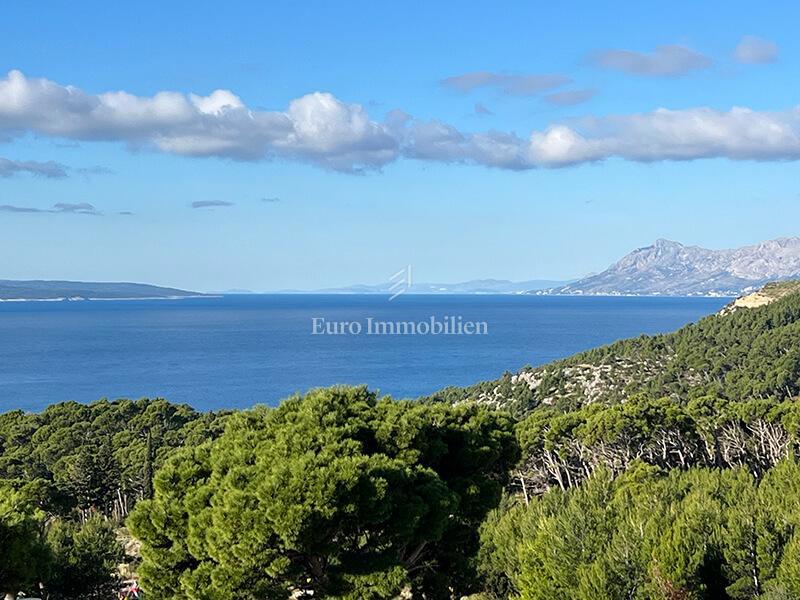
318	128
335	134
665	61
737	134
216	103
754	50
433	140
513	85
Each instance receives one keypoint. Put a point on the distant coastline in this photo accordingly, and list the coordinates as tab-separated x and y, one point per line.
369	294
81	299
73	291
726	294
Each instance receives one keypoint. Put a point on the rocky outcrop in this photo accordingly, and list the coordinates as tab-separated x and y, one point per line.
767	295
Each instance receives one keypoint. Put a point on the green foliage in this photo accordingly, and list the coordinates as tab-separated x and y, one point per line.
336	493
651	534
84	559
562	448
750	353
98	457
85	467
23	555
70	560
660	467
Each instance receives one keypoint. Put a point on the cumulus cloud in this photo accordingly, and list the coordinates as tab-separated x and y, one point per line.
569	98
666	61
316	128
512	85
480	109
753	50
80	208
340	136
49	169
320	129
737	134
210	203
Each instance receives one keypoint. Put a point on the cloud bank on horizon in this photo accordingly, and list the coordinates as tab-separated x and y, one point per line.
320	129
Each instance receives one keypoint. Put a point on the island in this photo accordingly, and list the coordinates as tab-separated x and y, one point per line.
12	290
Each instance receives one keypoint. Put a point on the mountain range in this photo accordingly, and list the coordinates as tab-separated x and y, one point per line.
475	286
665	268
669	268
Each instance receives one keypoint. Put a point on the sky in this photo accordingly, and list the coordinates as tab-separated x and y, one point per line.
267	146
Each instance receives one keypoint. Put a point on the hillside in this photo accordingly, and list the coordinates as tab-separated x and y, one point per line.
671	269
80	290
750	350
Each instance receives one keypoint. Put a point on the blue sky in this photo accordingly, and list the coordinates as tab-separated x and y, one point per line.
421	173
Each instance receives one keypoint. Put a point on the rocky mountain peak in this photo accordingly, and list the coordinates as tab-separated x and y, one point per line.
673	269
665	243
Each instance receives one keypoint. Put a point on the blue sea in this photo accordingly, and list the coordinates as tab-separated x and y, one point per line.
236	351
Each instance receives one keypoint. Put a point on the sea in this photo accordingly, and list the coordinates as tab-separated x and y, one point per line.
236	351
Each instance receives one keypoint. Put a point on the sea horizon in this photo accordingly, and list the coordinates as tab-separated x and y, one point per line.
238	350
